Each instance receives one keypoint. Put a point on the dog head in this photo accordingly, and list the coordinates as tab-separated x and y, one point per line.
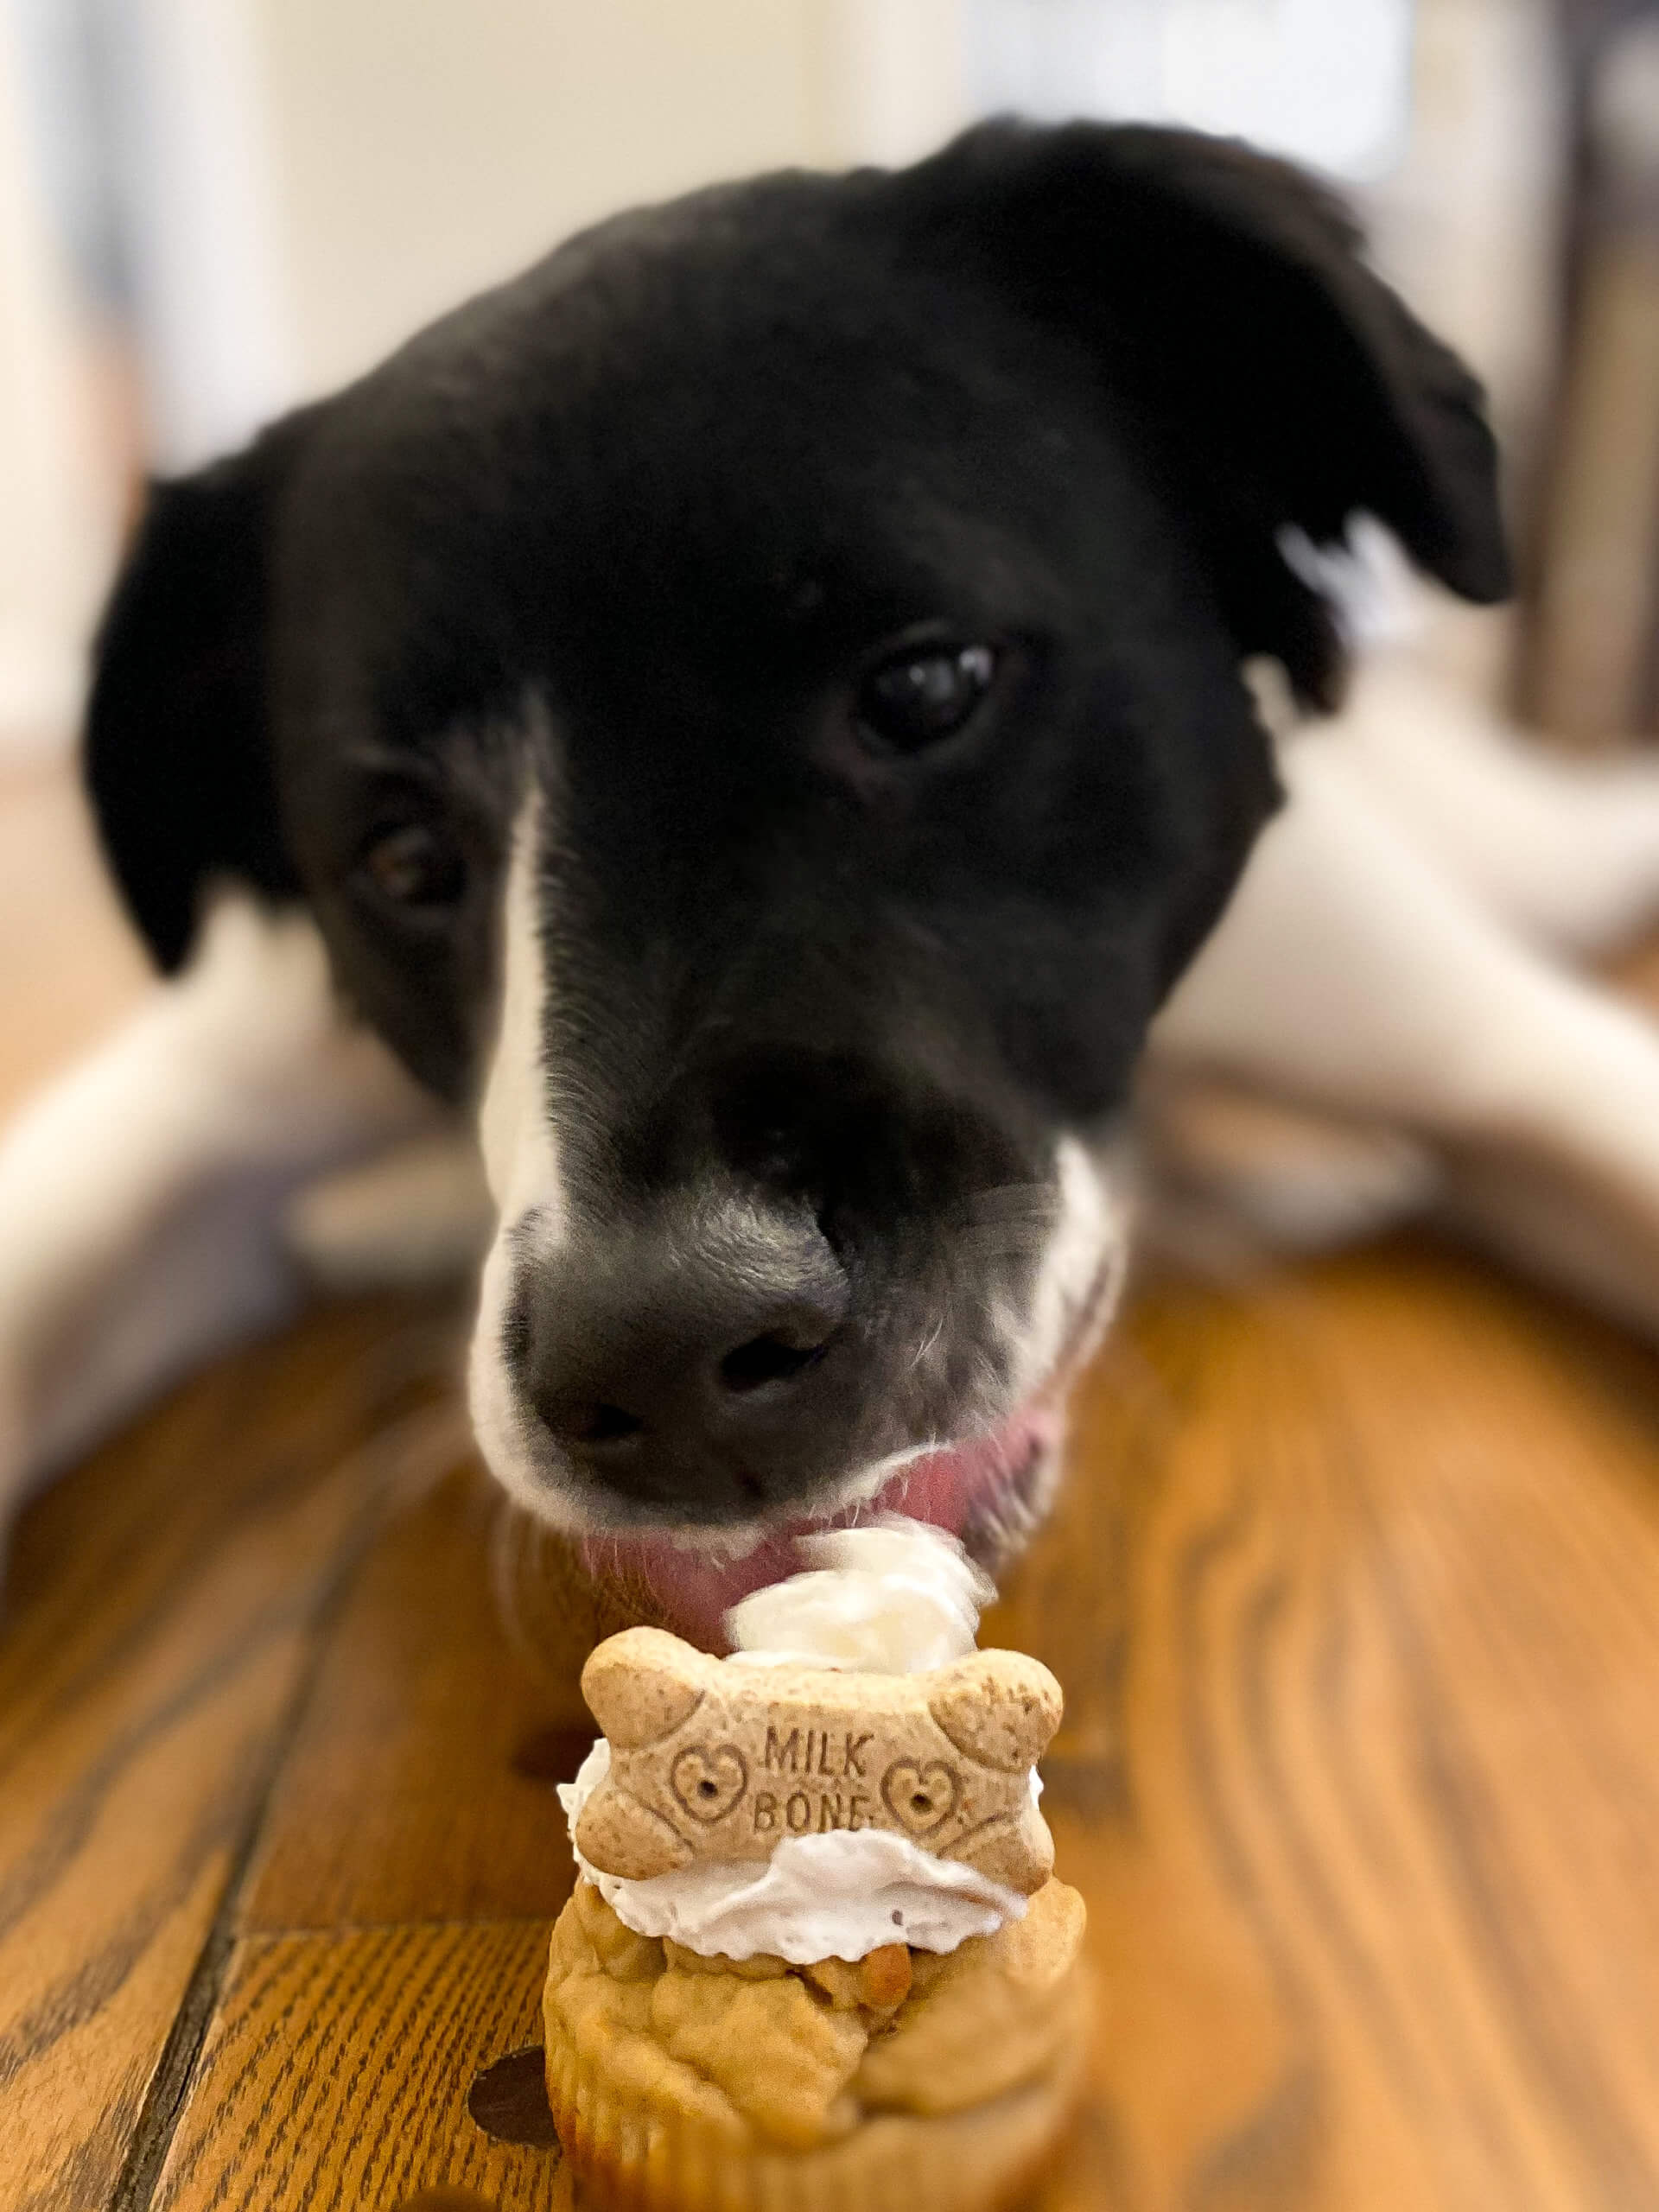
754	707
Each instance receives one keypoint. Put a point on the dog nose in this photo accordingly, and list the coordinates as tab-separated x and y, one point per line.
678	1364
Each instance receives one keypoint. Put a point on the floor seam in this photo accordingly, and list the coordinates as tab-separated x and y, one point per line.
170	2084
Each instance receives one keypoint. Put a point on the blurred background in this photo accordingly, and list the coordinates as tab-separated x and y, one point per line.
210	209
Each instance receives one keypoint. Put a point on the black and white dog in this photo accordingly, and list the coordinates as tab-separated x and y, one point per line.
751	714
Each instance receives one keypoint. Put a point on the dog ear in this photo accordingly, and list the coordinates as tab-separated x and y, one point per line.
177	753
1272	379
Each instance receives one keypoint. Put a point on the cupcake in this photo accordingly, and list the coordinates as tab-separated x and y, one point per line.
816	1956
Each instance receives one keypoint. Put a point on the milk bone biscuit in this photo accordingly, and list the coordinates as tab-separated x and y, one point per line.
711	1760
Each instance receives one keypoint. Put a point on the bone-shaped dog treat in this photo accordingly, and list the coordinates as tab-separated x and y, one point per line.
715	1761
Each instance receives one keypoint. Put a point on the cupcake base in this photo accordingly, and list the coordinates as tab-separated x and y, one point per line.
638	2141
983	2160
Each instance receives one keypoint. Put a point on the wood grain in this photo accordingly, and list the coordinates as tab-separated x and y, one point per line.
405	1796
1353	1588
337	2072
161	1608
1366	1872
1352	1592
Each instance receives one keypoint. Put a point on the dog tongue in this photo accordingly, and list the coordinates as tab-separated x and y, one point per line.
693	1590
696	1590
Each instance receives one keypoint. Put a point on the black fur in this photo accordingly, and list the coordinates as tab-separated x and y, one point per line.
178	747
639	523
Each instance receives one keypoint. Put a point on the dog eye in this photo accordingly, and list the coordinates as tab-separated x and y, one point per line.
413	864
919	698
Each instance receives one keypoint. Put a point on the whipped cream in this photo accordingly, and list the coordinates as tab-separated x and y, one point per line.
818	1897
893	1597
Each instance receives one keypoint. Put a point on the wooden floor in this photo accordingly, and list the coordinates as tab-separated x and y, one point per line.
1355	1593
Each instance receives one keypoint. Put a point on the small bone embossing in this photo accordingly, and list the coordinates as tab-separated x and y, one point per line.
713	1760
707	1783
921	1798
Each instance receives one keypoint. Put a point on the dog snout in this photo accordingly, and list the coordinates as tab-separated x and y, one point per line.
682	1366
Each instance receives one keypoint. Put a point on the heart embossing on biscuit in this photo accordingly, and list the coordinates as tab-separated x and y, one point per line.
921	1798
707	1781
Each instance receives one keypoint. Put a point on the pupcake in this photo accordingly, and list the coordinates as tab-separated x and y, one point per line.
816	1956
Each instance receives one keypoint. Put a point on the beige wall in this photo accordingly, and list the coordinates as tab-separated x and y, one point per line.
424	148
390	157
1468	228
58	518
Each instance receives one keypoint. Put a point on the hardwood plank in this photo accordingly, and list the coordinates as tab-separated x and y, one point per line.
337	2072
162	1604
406	1796
1352	1589
1377	1545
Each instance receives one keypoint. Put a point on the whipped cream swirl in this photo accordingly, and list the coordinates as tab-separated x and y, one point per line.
892	1598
